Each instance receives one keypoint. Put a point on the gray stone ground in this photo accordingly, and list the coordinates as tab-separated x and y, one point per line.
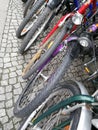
11	65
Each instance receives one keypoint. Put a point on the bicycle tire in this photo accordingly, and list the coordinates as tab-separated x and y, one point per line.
69	86
57	41
66	86
27	6
77	115
36	6
47	86
38	54
41	20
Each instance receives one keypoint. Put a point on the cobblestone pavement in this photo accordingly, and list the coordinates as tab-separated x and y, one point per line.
11	65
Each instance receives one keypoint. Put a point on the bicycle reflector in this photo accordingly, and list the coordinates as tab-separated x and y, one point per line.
85	42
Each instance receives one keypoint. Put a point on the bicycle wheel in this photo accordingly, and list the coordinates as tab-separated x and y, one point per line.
22	109
38	54
63	91
30	19
28	6
48	53
36	30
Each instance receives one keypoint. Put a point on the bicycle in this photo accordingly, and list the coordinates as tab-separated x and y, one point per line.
72	52
72	112
48	45
51	10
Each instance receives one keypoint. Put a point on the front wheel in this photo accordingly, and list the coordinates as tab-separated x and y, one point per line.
32	97
63	91
36	29
56	41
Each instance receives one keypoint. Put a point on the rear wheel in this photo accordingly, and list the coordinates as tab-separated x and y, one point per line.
48	53
35	93
43	48
63	91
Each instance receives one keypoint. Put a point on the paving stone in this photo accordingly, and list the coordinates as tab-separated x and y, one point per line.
4	119
9	103
1	55
1	60
20	79
1	90
12	69
8	50
4	45
8	88
17	91
2	104
8	96
2	112
6	71
19	72
6	60
7	65
5	76
16	98
4	40
7	55
10	112
12	81
2	97
15	120
21	62
17	85
17	126
19	67
12	74
13	54
15	50
8	126
1	65
14	63
4	82
1	71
